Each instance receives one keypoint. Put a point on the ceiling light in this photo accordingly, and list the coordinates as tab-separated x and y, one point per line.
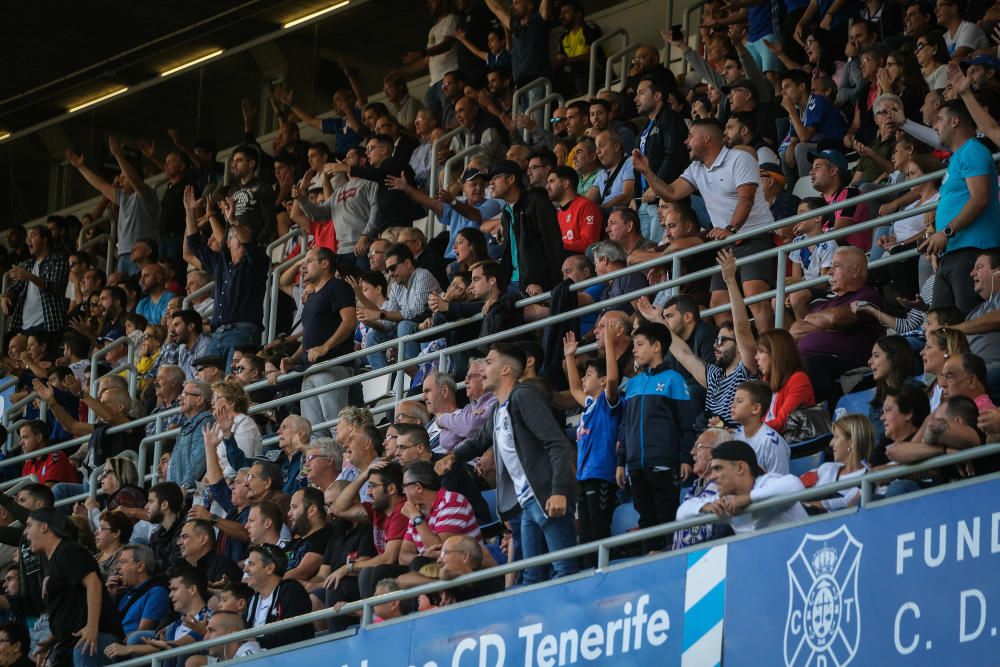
307	17
4	136
97	100
191	63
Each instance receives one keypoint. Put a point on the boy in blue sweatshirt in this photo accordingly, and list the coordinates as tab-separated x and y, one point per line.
657	432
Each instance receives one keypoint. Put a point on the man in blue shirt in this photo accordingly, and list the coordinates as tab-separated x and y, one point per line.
145	602
813	119
968	210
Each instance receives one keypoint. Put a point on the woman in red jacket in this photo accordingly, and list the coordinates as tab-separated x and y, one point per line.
781	365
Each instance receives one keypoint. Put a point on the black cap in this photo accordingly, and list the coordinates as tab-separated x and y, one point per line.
743	84
56	521
507	168
209	360
470	174
737	450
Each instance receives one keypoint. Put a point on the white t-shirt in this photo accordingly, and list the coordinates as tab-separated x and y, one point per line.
263	608
770	485
717	185
813	259
773	453
967	34
503	437
248	439
33	314
909	227
448	61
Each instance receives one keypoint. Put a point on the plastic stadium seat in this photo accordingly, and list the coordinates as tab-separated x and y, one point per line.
800	466
808	454
804	188
856	403
624	519
495	527
376	388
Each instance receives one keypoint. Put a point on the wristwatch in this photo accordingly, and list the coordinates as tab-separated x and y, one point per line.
381	315
731	229
948	231
417	520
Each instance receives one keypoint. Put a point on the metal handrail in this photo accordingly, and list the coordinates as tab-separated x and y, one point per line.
620	53
462	155
592	77
108	252
133	379
207	288
552	319
590	308
547	116
523	90
688	11
602	547
274	275
90	225
432	180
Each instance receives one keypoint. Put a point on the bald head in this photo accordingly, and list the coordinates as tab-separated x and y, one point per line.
849	271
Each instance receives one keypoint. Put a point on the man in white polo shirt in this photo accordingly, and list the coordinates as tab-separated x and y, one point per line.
729	182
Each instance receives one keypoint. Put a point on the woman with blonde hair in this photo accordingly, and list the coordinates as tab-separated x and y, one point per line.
941	345
230	405
852	444
118	488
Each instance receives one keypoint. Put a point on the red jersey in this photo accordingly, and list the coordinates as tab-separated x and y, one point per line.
386	527
581	223
56	467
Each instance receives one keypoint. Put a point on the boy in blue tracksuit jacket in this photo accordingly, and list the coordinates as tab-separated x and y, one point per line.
657	432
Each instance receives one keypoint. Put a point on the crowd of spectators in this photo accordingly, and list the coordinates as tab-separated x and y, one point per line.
261	509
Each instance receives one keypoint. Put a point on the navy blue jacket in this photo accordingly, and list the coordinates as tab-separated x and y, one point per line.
658	426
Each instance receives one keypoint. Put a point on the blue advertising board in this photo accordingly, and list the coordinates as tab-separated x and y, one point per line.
910	583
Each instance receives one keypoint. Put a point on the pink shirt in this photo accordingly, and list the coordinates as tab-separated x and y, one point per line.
984	403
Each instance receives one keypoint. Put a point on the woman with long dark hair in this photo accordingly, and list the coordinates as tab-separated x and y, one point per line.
782	368
903	76
931	53
891	363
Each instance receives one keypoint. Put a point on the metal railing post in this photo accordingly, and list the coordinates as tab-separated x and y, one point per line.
207	288
592	76
432	181
400	388
779	291
4	286
623	54
688	11
547	103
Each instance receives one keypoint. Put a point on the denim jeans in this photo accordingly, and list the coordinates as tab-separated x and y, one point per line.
327	405
126	265
64	490
223	342
98	659
649	222
410	350
542	534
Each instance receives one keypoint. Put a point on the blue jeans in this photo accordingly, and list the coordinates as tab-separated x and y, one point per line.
766	61
541	534
223	342
64	490
877	251
104	640
433	99
649	222
126	265
410	350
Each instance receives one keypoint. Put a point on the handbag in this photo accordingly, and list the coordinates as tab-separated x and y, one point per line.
807	423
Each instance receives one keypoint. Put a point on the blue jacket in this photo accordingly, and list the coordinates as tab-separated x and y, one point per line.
658	426
187	462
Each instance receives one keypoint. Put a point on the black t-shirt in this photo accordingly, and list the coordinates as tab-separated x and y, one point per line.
321	317
216	566
530	52
314	543
172	207
345	540
66	597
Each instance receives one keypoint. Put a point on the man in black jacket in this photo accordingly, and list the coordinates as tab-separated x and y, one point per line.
535	463
395	209
275	598
532	241
662	141
31	497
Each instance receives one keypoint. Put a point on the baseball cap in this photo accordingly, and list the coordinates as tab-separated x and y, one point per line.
470	174
209	360
984	60
507	168
836	157
774	170
736	450
56	521
742	84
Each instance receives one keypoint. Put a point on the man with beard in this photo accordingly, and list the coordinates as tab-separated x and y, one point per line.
187	342
307	517
164	508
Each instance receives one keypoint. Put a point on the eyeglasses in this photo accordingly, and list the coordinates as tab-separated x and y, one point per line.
404	416
555	120
403	448
391	268
406	484
722	340
920	45
239	369
191	393
313	457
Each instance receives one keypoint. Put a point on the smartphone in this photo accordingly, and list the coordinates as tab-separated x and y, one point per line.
677	33
862	304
